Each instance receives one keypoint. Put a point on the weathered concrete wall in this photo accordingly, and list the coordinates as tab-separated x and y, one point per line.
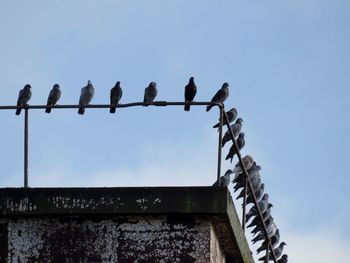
116	239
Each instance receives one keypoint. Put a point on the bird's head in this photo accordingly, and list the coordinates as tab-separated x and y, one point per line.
239	120
241	135
89	82
266	196
225	85
56	86
153	84
27	86
283	244
285	256
229	171
269	205
191	79
233	110
258	167
117	83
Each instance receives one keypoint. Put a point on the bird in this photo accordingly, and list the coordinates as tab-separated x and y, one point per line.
266	215
225	179
277	251
236	128
253	172
150	93
86	95
116	95
262	205
283	259
268	222
54	96
270	232
240	144
255	183
274	241
231	116
248	162
23	97
220	96
190	92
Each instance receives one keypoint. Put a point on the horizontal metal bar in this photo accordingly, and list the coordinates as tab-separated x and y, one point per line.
106	106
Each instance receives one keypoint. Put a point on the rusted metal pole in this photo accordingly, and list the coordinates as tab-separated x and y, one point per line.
220	143
251	190
26	111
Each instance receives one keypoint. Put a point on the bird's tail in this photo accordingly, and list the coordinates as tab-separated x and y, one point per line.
216	126
81	110
48	110
187	107
112	110
209	107
18	111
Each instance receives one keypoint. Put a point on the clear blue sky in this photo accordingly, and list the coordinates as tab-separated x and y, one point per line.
288	66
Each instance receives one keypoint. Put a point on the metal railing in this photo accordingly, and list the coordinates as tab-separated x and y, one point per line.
159	104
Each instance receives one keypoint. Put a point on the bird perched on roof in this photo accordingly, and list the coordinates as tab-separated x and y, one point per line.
86	95
240	144
150	93
220	96
115	96
190	92
23	97
248	162
54	96
274	241
225	179
283	259
231	116
236	128
278	252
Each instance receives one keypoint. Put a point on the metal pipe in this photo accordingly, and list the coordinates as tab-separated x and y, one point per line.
26	113
244	212
220	143
245	173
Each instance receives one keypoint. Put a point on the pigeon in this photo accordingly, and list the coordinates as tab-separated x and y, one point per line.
236	128
270	232
23	97
231	116
278	252
150	93
86	95
253	172
190	92
268	222
240	144
220	96
248	163
262	205
283	259
54	96
274	241
266	215
255	183
116	95
225	179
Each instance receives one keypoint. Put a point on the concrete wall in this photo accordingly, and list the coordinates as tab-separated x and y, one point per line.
113	239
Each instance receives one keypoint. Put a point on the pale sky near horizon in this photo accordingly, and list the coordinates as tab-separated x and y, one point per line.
288	66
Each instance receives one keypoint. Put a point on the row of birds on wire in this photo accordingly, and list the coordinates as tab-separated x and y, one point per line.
239	182
87	93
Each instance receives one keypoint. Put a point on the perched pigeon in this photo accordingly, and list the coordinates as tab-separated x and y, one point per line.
231	115
278	252
54	96
283	259
190	92
266	215
86	95
150	93
240	144
236	128
274	241
116	95
255	183
248	162
253	172
220	96
225	179
23	97
268	223
270	232
262	205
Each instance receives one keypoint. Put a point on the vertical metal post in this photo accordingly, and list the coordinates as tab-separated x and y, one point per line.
220	143
267	251
244	208
26	147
